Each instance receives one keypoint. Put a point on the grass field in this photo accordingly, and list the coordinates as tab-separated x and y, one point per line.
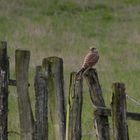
67	28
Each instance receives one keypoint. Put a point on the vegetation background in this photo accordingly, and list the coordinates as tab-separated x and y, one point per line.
67	28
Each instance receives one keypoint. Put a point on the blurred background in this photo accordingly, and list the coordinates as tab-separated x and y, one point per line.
67	29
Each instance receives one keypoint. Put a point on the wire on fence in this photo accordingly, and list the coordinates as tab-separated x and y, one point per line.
133	100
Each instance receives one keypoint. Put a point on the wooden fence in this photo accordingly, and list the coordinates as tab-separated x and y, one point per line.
51	110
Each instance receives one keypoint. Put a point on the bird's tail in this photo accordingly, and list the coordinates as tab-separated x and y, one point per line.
79	74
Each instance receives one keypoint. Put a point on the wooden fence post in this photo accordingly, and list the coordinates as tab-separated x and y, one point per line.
74	109
41	107
25	111
53	67
101	121
118	105
4	75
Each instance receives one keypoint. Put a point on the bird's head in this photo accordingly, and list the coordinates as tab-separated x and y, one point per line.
93	49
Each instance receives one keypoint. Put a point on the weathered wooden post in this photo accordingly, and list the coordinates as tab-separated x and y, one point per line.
74	109
26	117
53	67
120	131
41	107
101	121
4	75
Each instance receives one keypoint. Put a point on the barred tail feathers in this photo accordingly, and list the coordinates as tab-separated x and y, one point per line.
80	73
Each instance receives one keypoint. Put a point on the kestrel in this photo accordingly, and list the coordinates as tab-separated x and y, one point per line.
89	61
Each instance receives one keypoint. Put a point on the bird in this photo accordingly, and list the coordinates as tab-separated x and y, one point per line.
90	60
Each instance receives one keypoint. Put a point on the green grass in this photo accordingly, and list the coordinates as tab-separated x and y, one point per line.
67	29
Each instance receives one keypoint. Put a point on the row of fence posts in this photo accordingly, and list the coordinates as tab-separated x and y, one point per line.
53	120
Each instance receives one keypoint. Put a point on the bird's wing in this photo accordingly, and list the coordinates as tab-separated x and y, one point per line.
90	59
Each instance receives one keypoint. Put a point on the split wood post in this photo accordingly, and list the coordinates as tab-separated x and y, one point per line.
41	106
101	121
53	67
25	112
74	108
4	75
120	131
